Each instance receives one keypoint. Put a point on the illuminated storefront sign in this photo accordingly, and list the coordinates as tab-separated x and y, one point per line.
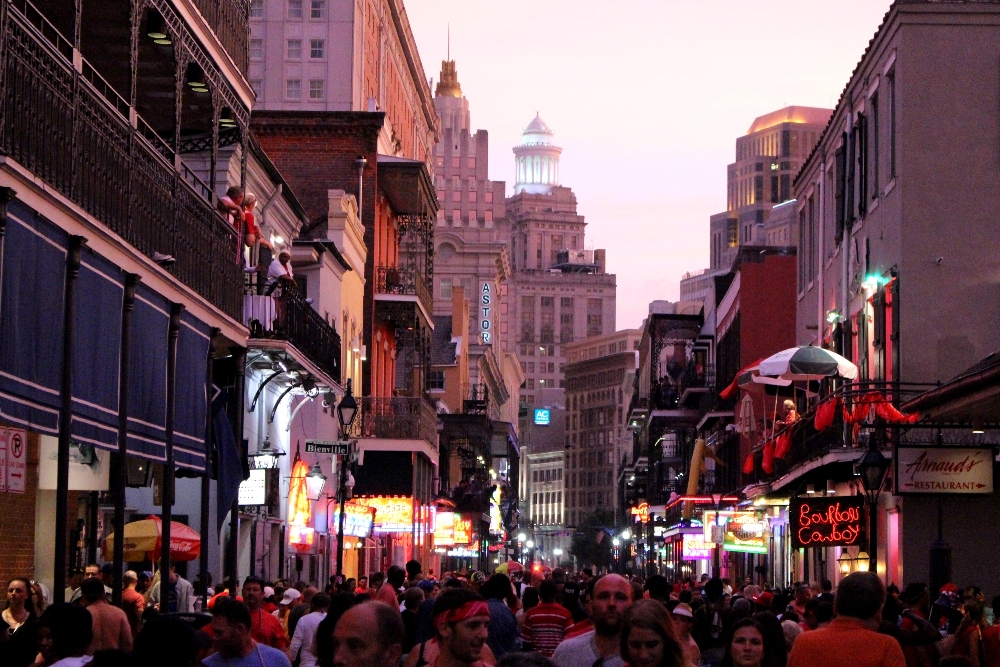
694	548
358	520
463	530
392	515
253	490
444	529
543	416
715	522
641	512
496	518
747	533
944	470
300	538
826	522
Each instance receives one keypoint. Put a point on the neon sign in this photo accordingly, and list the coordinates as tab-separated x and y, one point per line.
746	533
485	313
641	512
695	548
392	514
358	520
826	522
543	416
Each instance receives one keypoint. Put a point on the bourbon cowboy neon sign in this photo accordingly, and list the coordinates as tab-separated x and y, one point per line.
826	522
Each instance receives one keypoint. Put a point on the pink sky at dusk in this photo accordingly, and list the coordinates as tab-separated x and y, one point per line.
646	98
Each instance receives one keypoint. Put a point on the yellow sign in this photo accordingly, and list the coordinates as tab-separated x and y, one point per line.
641	512
392	514
451	529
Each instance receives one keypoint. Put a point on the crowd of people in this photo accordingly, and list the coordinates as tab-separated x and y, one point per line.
410	618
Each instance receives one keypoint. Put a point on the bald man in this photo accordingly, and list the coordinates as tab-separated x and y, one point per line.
368	635
611	596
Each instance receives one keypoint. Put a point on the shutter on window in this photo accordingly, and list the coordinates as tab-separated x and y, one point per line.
852	161
839	191
862	164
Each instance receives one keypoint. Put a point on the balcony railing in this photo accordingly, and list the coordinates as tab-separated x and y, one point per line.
395	418
229	19
69	129
405	281
286	316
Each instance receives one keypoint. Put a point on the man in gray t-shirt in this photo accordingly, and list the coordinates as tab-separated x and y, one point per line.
612	595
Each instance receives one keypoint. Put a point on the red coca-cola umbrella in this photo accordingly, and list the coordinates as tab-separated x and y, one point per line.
144	541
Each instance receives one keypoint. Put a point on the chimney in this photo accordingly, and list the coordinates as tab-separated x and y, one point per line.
601	260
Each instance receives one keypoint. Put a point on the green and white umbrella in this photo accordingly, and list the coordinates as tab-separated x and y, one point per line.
808	363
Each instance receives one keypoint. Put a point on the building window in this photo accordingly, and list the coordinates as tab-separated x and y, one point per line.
295	9
316	89
595	317
488	214
294	51
456	217
317	48
256	49
257	86
873	150
435	380
256	9
447	285
293	89
473	197
317	9
488	197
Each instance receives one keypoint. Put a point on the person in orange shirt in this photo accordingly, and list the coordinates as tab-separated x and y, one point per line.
264	627
851	640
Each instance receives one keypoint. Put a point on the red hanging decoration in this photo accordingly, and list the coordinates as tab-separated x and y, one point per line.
767	463
748	464
825	414
783	445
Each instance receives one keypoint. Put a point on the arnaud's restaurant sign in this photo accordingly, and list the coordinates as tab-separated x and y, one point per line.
944	470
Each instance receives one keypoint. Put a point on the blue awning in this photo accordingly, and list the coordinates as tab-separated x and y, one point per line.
96	351
147	398
31	320
190	406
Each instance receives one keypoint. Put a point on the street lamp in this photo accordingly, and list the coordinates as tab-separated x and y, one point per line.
315	481
844	562
347	410
872	468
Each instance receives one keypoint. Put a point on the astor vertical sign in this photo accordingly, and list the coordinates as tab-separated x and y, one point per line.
486	313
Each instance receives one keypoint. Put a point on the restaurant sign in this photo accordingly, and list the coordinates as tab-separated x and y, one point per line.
393	514
747	533
358	520
944	470
830	521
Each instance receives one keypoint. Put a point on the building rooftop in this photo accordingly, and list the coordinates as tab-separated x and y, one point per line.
793	114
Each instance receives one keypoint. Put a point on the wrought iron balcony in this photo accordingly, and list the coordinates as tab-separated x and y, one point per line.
285	315
229	19
395	418
403	281
70	129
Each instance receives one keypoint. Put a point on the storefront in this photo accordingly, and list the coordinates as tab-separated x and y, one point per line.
402	529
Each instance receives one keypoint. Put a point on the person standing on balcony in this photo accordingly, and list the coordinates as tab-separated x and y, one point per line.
231	205
279	274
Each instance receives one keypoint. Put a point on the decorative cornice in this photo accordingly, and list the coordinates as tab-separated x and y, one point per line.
325	123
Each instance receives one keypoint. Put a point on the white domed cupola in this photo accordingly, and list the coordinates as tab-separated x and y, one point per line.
536	159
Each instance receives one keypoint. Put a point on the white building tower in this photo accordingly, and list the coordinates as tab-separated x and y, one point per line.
537	159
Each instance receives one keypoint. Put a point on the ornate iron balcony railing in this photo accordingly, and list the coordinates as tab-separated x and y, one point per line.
395	418
69	130
285	315
229	19
403	280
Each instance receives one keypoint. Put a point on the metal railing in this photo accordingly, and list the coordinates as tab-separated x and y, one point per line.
403	280
66	129
395	418
230	20
285	315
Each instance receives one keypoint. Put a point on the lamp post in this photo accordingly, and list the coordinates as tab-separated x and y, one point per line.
530	545
872	468
347	410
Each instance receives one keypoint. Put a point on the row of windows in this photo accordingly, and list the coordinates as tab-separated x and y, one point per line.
589	499
456	163
550	367
543	383
293	89
542	350
594	438
295	10
456	217
293	49
473	196
592	477
549	475
591	458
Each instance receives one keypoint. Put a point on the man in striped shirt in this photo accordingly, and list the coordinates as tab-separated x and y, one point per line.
545	624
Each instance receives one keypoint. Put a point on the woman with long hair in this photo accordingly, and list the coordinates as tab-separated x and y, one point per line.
969	637
20	625
748	645
648	637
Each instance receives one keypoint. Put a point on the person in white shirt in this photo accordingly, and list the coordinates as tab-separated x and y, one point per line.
303	644
280	272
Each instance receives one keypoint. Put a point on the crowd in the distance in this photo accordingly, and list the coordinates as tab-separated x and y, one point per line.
409	618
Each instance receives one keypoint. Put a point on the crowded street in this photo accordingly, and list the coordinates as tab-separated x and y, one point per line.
441	333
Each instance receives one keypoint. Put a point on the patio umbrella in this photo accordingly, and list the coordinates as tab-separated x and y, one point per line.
749	377
510	567
143	541
807	363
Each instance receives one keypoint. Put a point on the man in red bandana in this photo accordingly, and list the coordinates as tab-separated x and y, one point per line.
462	622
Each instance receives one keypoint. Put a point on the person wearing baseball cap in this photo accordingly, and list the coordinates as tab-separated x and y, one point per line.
683	621
763	601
